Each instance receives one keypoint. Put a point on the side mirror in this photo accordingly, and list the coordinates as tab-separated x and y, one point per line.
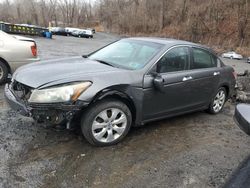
159	82
242	117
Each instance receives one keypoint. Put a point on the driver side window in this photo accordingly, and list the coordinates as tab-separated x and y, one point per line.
177	59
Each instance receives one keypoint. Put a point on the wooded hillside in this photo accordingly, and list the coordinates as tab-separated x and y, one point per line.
213	22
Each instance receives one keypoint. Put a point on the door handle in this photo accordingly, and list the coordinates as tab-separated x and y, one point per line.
216	73
186	78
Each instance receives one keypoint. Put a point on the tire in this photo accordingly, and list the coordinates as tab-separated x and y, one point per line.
231	57
105	131
3	73
217	103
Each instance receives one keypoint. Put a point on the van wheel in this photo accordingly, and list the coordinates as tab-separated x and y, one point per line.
3	72
218	101
106	122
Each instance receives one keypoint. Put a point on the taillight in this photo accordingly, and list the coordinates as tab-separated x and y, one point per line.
34	49
234	74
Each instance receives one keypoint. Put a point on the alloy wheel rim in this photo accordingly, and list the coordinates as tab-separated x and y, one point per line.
1	72
219	101
109	125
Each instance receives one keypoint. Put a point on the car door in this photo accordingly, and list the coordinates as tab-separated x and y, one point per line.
175	95
205	77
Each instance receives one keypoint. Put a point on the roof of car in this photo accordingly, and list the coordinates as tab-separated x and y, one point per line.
167	41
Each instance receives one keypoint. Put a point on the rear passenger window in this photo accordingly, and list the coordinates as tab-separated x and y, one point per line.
176	59
202	59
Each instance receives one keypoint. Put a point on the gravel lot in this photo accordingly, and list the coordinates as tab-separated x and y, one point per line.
194	150
239	65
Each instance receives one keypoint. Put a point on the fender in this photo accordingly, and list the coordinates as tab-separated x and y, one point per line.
124	97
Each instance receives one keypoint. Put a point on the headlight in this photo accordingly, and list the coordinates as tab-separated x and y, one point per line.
59	94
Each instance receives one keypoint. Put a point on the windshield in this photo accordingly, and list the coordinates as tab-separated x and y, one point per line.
127	53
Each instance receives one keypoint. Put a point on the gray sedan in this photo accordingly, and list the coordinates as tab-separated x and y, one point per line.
130	82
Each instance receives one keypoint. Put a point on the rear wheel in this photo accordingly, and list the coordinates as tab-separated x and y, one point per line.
106	123
218	101
3	72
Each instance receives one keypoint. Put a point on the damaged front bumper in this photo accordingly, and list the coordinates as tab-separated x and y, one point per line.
14	103
53	113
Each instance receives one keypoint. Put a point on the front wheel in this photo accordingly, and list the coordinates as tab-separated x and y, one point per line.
106	123
218	101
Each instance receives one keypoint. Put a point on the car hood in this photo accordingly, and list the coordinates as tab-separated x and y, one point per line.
64	70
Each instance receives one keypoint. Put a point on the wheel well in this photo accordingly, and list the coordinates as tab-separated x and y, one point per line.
120	97
226	88
6	63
